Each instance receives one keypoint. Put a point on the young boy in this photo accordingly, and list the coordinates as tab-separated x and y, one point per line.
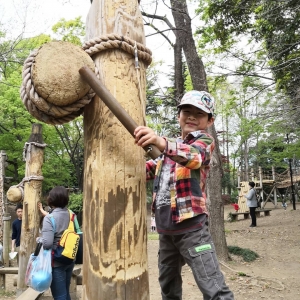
179	200
16	230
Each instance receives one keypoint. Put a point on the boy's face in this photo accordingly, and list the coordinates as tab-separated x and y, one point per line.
192	119
19	213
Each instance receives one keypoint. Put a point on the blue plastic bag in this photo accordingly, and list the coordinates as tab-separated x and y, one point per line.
39	271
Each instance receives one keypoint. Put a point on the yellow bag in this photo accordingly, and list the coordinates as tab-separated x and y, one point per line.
67	246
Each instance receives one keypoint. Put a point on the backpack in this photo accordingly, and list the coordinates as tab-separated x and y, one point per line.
67	246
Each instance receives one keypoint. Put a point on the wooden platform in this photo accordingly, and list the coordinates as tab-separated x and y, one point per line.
258	213
30	294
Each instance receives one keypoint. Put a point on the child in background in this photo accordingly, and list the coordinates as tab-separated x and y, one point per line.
235	206
153	224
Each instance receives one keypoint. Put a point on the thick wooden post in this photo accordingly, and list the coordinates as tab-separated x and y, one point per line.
114	221
34	155
5	216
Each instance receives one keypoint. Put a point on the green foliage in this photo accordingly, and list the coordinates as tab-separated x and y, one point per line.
230	217
75	202
247	254
273	24
161	108
63	163
72	31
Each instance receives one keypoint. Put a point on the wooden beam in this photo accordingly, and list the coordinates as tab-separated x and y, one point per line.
265	202
10	270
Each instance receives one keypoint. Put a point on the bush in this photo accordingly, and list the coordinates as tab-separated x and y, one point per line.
75	202
247	254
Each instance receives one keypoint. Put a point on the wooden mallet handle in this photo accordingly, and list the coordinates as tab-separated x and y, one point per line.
115	107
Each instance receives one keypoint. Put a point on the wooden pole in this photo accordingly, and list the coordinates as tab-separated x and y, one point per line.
32	195
261	183
275	190
119	112
5	216
114	214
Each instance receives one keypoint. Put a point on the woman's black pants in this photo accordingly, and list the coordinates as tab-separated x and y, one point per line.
253	215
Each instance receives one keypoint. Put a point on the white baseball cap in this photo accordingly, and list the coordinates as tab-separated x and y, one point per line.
200	99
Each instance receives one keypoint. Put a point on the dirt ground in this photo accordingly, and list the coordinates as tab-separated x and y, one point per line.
275	275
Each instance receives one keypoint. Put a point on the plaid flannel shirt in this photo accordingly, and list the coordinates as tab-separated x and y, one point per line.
189	164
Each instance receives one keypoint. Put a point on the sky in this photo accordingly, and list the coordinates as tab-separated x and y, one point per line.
39	16
34	17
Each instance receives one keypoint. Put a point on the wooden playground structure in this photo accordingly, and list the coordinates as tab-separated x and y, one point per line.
269	186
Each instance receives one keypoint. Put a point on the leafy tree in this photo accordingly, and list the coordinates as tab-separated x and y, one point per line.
72	31
64	153
274	24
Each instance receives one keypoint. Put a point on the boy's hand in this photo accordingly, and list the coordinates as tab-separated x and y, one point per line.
145	136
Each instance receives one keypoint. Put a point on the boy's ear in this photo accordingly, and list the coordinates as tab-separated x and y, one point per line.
210	121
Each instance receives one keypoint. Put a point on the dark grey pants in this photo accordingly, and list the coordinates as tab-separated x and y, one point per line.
197	250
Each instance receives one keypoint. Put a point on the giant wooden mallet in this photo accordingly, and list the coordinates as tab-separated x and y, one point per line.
115	107
57	97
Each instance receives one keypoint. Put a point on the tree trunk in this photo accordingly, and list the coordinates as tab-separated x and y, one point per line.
196	68
185	38
114	222
32	195
215	203
178	70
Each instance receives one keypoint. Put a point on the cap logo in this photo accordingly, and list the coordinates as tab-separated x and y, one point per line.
207	101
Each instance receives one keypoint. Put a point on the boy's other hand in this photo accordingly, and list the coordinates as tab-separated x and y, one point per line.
146	136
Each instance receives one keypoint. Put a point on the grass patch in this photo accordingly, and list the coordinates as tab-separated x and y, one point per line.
247	254
153	236
230	217
4	293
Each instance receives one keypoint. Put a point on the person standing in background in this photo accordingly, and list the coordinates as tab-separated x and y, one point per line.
16	230
58	200
252	203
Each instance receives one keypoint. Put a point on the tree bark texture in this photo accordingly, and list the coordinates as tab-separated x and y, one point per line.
178	68
185	38
215	203
198	75
114	222
32	195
